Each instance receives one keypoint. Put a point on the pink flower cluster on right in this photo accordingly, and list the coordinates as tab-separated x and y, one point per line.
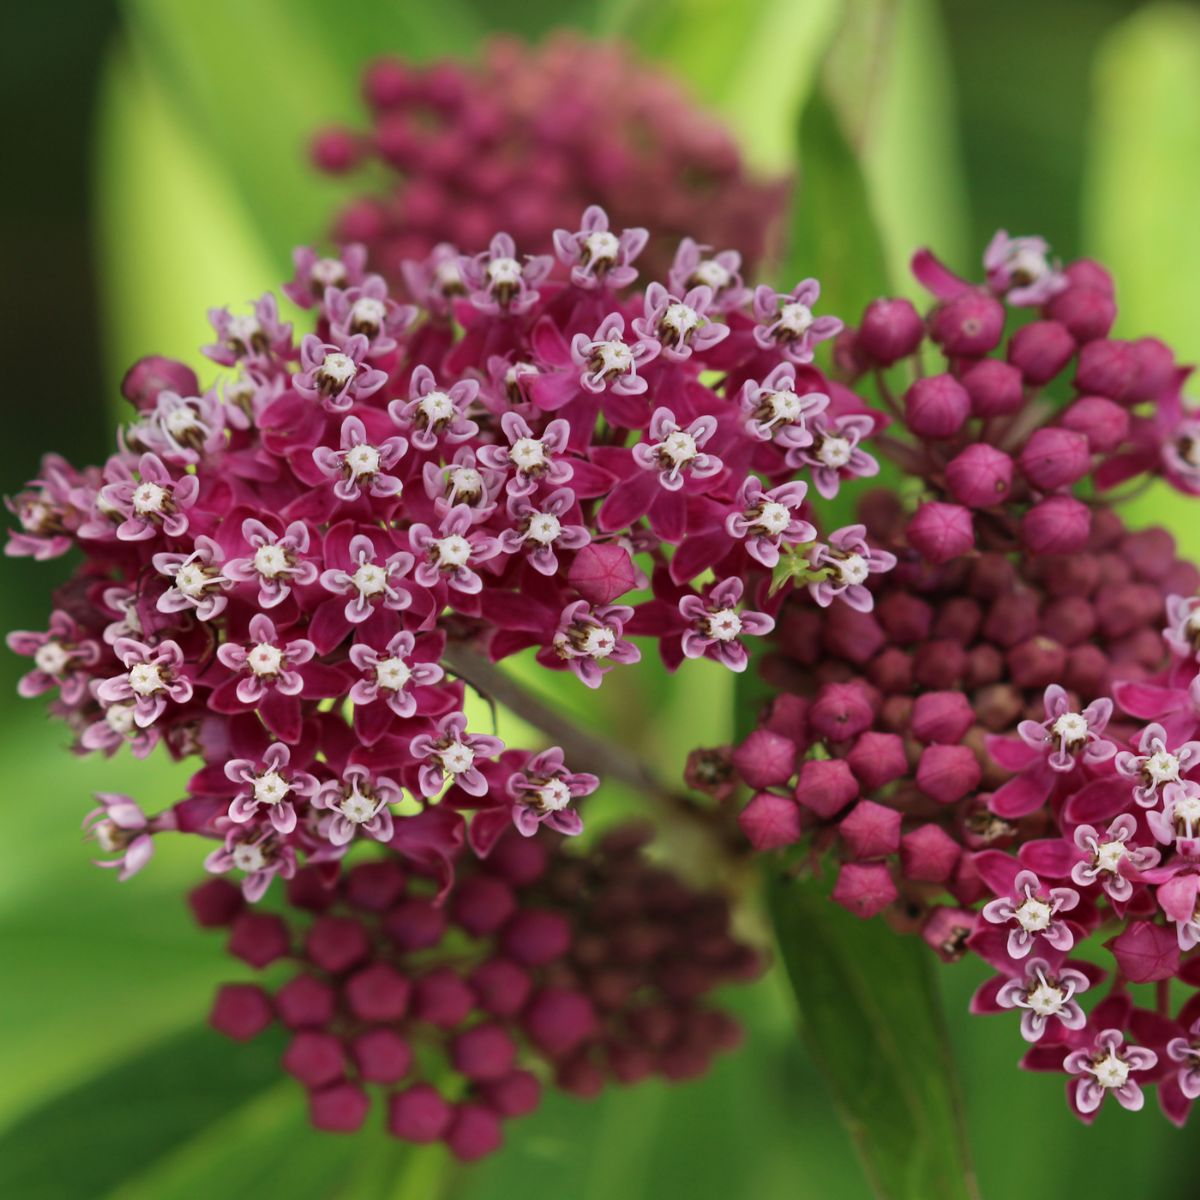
1000	744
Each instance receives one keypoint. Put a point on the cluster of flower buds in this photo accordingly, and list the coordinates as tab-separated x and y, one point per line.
526	139
952	739
578	969
277	569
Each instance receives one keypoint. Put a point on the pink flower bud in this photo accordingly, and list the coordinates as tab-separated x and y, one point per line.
871	830
1040	350
559	1020
946	931
1146	952
770	821
149	377
378	993
941	717
535	937
339	1108
1057	525
948	773
419	1114
474	1133
980	476
995	387
969	325
305	1000
841	711
482	904
865	889
907	618
889	331
483	1052
387	82
928	854
516	1095
1109	368
940	532
382	1055
826	786
502	986
601	572
336	943
1156	368
1011	619
313	1058
940	663
959	619
416	924
876	759
1087	312
240	1011
375	886
1104	423
1086	272
1055	458
892	670
442	998
259	938
788	715
216	903
1036	663
936	406
852	635
334	151
1069	620
765	759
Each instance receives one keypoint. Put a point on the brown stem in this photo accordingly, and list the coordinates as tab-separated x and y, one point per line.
1031	417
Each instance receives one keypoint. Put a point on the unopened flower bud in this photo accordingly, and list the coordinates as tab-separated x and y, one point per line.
980	476
1086	312
1086	272
940	663
1104	423
928	854
149	377
969	325
1056	525
1040	350
1037	663
905	617
240	1011
601	572
1146	952
334	151
941	717
995	387
865	889
765	759
871	830
892	670
852	635
1055	458
1070	620
948	773
936	406
841	711
876	759
940	532
1156	368
1109	368
946	931
826	786
770	821
889	331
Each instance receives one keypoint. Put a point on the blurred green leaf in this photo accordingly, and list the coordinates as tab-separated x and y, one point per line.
871	1017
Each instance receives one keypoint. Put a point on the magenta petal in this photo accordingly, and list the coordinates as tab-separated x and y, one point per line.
998	870
1023	794
1052	857
629	500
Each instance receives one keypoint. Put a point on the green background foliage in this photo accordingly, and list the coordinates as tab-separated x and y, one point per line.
160	147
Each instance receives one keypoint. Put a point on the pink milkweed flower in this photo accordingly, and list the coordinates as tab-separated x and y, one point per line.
1178	821
1032	912
1070	737
716	624
531	458
462	481
120	827
255	335
1186	1052
675	452
1156	768
720	273
196	580
451	755
542	791
181	429
152	502
833	453
45	511
435	281
765	520
268	785
679	326
1178	896
1182	633
267	664
1108	1067
367	311
391	674
117	728
596	256
1112	858
357	802
153	675
607	362
786	321
452	555
276	563
434	413
497	282
1019	270
336	375
850	562
315	275
258	854
773	410
587	637
1044	993
371	582
539	530
60	658
359	464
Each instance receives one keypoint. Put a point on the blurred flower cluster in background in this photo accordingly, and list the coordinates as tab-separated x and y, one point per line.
186	153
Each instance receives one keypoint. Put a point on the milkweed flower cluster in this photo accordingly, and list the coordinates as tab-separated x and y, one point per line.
583	968
526	138
999	744
280	571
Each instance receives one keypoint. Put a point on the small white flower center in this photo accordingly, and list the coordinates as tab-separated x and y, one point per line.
599	642
1046	1000
1070	727
615	356
1109	855
681	318
149	498
505	272
1187	809
180	421
270	561
370	579
1111	1071
710	273
392	674
774	518
270	787
244	329
338	369
835	451
853	569
785	405
527	454
465	481
265	659
191	579
119	718
795	318
1028	264
437	406
458	758
51	658
447	276
554	796
109	836
1162	767
602	245
368	311
679	447
724	625
544	527
145	679
356	807
363	460
248	858
328	271
453	551
1034	915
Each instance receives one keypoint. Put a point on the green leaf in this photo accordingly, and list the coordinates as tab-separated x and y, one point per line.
871	1017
